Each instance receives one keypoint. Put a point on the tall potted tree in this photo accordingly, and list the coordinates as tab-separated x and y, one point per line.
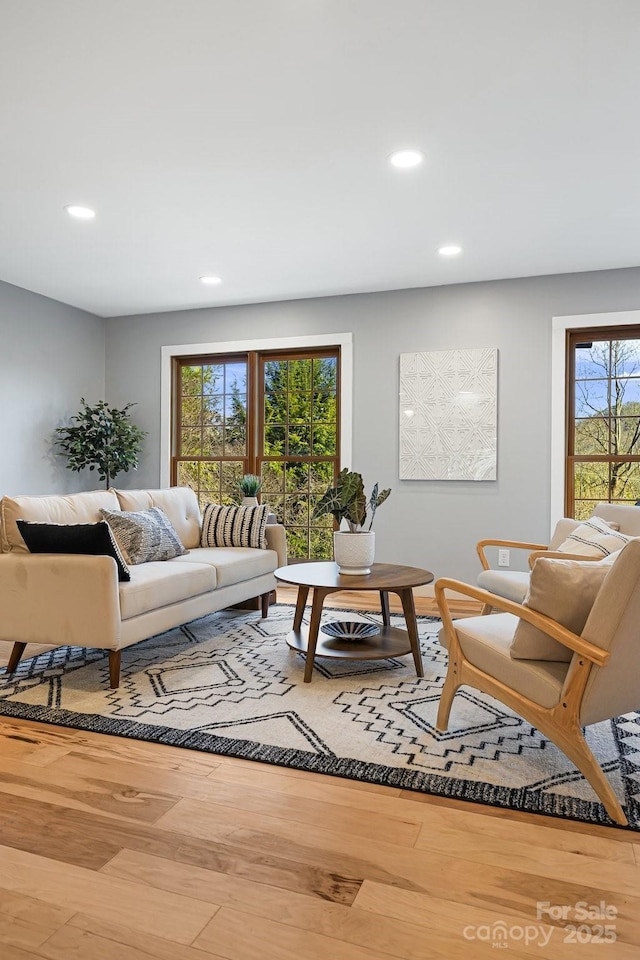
353	549
102	438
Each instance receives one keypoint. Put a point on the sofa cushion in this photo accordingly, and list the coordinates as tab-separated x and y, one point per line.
564	590
75	508
145	535
93	539
594	538
234	526
160	583
179	503
233	564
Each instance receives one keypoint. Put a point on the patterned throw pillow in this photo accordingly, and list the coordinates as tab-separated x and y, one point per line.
144	535
234	526
90	539
594	538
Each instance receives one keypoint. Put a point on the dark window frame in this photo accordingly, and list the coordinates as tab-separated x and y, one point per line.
575	337
255	419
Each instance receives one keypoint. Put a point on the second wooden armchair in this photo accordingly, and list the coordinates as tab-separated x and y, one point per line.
513	584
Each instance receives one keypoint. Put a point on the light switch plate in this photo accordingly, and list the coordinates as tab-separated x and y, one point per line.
504	558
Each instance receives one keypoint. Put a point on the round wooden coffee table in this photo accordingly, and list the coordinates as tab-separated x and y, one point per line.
324	578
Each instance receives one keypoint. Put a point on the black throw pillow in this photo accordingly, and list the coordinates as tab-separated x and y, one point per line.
94	539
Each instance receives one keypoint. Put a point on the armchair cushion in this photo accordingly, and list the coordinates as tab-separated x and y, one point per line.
564	590
594	538
511	584
486	643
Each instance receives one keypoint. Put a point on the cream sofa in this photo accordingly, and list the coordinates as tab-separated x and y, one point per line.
53	600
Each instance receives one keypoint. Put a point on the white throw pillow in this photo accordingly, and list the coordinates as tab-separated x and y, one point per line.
564	590
594	538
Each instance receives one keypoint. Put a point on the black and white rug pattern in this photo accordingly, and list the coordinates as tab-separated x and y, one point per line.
229	684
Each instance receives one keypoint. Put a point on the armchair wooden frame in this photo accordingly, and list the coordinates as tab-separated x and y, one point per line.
560	723
515	545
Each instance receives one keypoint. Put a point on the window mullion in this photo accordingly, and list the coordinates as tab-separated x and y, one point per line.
253	419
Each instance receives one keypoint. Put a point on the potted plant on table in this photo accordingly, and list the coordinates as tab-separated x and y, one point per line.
249	486
353	549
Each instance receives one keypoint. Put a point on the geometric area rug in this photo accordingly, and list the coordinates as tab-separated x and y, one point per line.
228	684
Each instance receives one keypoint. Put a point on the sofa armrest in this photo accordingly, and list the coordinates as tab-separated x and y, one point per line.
277	540
59	599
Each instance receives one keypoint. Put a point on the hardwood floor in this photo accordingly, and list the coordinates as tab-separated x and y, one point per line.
113	849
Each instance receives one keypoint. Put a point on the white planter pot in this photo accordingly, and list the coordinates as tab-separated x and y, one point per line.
354	552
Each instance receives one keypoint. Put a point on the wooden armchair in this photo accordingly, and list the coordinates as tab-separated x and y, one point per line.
513	584
600	681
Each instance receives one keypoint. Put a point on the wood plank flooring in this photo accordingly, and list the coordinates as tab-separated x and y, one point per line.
113	849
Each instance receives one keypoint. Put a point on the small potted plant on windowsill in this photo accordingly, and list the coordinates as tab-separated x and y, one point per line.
353	549
249	486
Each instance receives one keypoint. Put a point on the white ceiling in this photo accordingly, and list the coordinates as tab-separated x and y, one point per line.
249	138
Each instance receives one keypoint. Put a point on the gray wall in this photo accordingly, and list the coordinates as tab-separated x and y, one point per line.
50	355
432	524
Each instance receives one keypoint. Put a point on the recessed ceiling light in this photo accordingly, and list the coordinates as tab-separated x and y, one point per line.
450	250
80	213
406	158
211	281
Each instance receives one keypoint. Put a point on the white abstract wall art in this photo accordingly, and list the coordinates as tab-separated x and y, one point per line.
448	415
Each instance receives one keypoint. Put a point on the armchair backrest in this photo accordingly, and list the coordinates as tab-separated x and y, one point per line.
614	625
564	527
626	515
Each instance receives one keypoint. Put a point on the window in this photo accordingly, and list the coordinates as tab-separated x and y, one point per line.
273	413
603	418
211	426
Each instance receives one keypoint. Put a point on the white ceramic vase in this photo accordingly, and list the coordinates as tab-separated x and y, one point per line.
354	552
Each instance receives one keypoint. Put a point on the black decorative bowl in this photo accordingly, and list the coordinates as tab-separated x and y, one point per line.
350	629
